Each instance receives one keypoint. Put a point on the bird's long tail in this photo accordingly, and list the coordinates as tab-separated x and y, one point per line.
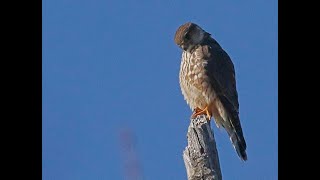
233	127
238	143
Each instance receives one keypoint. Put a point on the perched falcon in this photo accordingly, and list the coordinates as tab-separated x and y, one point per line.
207	81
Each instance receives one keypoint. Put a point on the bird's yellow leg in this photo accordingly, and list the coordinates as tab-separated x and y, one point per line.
199	111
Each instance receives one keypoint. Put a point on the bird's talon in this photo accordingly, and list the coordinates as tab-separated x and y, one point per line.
199	111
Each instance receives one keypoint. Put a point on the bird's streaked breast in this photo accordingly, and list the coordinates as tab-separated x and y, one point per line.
194	82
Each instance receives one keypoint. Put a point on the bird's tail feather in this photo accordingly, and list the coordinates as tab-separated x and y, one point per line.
233	128
238	143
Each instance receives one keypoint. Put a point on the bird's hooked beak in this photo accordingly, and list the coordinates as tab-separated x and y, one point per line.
184	47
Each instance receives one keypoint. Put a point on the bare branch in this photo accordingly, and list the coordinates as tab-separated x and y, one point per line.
201	156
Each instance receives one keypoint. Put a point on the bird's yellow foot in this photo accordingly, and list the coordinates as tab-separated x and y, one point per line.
199	111
196	110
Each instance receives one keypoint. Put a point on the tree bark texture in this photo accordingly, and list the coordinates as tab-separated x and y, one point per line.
201	156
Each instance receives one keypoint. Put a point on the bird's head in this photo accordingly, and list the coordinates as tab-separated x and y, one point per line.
189	35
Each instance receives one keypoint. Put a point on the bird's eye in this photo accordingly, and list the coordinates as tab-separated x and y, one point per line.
187	36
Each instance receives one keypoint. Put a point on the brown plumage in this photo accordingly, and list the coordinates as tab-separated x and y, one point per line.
207	81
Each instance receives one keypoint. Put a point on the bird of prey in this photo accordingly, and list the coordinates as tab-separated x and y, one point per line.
207	81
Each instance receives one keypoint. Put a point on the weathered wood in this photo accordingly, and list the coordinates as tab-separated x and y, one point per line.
201	156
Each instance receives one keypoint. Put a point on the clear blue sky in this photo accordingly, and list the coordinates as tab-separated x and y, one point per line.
112	66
